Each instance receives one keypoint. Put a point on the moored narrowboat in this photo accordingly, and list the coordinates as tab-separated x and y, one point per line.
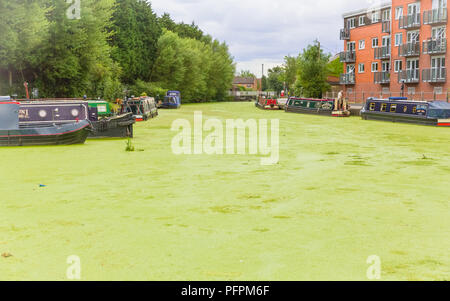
16	133
435	113
171	101
316	106
98	113
267	104
142	108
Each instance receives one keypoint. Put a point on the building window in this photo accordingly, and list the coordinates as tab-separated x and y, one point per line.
398	13
387	15
361	68
438	90
398	39
374	67
376	17
352	22
374	42
362	21
398	66
411	90
362	44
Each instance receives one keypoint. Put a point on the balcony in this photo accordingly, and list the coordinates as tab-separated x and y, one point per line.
347	79
347	57
435	46
383	53
434	75
386	26
383	77
345	34
409	49
409	22
435	16
409	76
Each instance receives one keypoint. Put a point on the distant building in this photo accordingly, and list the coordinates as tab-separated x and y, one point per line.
246	82
398	47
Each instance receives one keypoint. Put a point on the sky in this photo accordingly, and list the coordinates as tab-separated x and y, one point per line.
265	31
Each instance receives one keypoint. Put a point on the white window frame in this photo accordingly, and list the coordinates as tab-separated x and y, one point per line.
398	12
399	42
373	65
376	16
398	66
373	40
362	44
361	68
361	21
386	16
352	23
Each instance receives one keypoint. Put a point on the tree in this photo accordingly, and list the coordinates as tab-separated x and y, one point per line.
291	69
276	79
246	74
23	27
136	32
312	74
335	68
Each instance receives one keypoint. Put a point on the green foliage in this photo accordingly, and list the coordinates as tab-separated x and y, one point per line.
136	33
149	88
246	74
312	74
115	44
199	70
276	79
335	68
129	146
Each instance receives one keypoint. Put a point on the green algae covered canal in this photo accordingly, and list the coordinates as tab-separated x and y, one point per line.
343	191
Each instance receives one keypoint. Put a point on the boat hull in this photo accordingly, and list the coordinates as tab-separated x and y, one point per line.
114	127
404	119
38	134
301	110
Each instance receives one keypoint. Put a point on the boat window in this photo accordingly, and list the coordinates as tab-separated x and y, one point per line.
383	107
372	106
414	109
393	108
405	109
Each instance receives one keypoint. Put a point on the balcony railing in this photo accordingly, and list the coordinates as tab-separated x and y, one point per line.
409	22
347	57
347	79
383	77
434	75
386	26
409	76
435	16
435	46
409	49
383	53
345	34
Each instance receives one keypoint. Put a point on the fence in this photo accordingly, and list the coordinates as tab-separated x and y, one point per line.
251	95
361	96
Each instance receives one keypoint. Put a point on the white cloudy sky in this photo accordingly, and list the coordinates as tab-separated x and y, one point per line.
264	31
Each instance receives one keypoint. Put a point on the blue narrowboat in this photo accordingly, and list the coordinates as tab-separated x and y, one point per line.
64	111
435	113
14	132
172	100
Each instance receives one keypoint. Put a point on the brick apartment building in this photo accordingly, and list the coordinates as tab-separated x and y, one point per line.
398	44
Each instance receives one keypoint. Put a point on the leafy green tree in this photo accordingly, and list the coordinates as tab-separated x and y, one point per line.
276	79
23	27
312	74
335	68
264	83
136	33
291	67
246	74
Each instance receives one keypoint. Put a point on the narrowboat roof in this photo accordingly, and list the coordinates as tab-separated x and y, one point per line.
397	99
311	99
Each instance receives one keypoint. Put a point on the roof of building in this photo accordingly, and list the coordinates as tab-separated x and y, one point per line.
244	80
367	10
